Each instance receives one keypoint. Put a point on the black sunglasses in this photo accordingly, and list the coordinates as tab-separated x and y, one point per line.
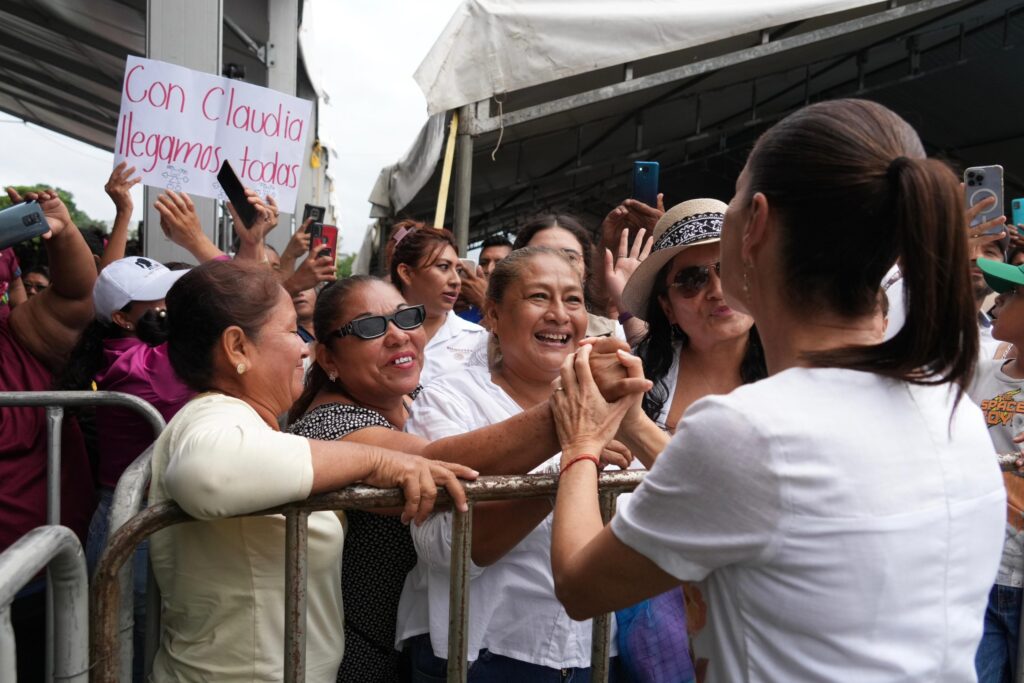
690	282
374	326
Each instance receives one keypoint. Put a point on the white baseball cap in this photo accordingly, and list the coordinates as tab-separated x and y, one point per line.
135	278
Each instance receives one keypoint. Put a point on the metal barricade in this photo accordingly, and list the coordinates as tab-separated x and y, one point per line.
55	548
106	592
55	402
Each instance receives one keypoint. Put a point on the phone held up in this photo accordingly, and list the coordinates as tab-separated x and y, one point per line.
1017	205
645	182
313	211
980	183
236	194
323	240
21	222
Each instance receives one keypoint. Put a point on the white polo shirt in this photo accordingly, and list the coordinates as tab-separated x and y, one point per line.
451	347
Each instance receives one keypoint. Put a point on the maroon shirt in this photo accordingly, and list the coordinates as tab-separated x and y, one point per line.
23	452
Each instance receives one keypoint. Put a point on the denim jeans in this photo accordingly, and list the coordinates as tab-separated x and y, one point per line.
996	660
95	544
490	668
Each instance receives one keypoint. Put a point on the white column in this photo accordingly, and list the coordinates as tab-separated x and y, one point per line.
189	33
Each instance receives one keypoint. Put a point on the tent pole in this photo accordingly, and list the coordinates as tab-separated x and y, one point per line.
463	179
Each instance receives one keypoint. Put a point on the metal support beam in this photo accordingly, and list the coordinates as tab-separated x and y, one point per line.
514	118
282	76
189	33
463	178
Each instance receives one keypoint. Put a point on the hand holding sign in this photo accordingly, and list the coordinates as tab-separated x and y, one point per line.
177	126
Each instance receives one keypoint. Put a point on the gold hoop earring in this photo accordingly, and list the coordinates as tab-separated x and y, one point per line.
241	368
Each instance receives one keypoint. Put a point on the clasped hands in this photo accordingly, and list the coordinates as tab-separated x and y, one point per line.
598	387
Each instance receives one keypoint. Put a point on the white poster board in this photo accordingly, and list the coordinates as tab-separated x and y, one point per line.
178	125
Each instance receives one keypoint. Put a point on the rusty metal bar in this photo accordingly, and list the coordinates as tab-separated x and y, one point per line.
458	595
57	549
602	625
105	590
296	570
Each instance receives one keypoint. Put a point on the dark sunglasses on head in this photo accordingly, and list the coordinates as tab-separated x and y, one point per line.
374	326
690	282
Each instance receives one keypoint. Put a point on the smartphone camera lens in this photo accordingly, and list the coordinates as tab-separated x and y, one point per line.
981	178
970	174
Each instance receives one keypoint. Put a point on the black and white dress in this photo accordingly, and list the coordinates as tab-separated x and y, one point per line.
378	554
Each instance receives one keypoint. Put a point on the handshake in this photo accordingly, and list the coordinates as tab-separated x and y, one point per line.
597	398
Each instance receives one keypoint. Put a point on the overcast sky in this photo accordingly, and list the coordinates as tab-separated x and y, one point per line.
362	57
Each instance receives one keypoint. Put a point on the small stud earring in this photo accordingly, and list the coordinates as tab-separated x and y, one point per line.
241	368
332	375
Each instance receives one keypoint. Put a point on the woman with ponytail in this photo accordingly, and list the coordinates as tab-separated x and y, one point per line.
841	519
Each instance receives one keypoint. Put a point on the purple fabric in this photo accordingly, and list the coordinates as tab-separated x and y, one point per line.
23	451
144	371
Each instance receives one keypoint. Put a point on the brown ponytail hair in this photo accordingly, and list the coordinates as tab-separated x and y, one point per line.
854	192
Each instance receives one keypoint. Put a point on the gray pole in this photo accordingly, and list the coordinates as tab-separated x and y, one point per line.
463	178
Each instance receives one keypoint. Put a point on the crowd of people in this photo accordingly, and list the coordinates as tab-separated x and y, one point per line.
819	403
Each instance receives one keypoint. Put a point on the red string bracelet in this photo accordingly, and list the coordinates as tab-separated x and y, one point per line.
591	458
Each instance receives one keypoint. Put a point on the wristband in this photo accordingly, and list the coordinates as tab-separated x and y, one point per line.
578	458
625	316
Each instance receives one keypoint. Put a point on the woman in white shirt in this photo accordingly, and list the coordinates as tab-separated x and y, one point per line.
424	267
222	578
517	630
843	518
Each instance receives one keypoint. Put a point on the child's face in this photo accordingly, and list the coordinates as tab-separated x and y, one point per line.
1009	326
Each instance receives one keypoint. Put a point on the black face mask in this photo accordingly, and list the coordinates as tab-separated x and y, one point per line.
151	327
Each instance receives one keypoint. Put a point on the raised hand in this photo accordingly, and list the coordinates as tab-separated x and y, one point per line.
474	286
584	420
56	214
977	233
119	186
312	272
299	242
619	267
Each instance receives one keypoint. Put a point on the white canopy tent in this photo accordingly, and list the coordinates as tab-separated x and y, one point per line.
557	99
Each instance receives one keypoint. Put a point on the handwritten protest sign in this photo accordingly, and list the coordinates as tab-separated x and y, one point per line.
177	126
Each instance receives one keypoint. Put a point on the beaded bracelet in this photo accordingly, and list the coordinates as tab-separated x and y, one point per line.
591	458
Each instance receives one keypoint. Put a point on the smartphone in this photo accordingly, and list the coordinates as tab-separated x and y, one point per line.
317	213
236	194
1017	207
468	265
21	222
980	183
645	182
323	240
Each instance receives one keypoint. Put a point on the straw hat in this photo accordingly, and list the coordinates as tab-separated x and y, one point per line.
697	221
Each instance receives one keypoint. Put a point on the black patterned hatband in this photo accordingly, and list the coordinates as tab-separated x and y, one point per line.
695	228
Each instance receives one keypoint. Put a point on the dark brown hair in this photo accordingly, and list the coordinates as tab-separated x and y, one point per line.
329	305
208	300
509	270
854	192
571	224
419	249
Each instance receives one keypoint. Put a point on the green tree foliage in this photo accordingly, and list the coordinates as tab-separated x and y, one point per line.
344	268
31	253
81	218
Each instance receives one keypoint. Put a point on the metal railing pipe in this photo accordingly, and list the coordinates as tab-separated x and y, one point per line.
296	572
458	595
121	545
57	549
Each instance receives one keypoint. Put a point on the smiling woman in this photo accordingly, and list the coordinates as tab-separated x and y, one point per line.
222	578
